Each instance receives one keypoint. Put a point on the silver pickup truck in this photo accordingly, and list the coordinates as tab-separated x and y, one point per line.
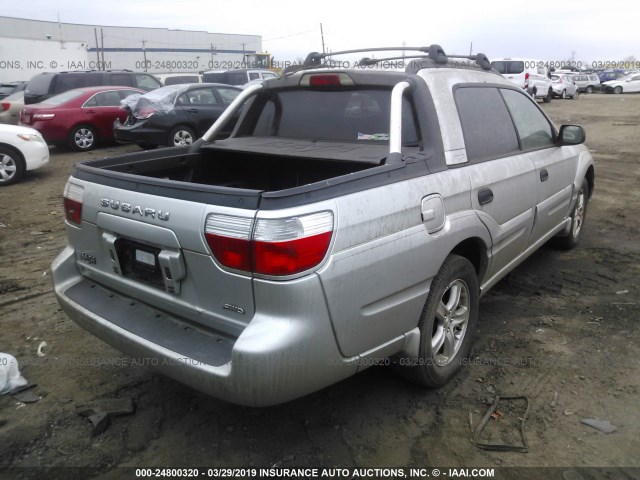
354	217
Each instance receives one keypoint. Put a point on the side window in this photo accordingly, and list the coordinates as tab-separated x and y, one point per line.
92	102
486	125
533	128
268	75
108	99
125	93
122	79
200	96
227	95
253	76
145	82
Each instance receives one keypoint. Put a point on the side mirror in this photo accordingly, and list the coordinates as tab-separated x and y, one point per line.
571	135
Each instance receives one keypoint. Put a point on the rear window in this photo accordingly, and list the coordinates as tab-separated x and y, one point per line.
508	66
39	85
7	89
347	115
182	79
63	97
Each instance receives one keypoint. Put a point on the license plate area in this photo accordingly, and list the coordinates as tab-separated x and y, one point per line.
139	262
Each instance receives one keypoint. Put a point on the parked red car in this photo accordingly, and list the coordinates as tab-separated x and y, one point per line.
79	118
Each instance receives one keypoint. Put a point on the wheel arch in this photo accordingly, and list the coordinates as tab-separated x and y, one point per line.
19	155
591	179
474	249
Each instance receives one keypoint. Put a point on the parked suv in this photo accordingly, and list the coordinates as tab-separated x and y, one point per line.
588	83
48	84
237	77
529	74
354	217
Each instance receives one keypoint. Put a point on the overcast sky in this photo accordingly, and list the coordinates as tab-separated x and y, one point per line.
540	29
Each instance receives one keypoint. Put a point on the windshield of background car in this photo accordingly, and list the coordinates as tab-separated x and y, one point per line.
63	97
508	66
39	84
67	81
343	115
556	78
7	89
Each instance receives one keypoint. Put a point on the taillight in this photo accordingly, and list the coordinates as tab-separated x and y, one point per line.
4	106
43	116
73	196
271	247
526	80
144	113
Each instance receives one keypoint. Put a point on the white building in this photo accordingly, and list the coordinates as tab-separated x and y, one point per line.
28	47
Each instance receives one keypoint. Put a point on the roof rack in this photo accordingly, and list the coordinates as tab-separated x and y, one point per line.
433	52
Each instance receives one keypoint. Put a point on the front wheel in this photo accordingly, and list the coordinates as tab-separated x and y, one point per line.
578	217
617	90
575	95
12	166
447	324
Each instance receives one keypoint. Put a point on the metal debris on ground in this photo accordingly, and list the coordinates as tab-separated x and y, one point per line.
493	412
602	425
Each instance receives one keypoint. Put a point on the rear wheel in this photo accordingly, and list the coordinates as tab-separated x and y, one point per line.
181	136
83	138
617	90
576	95
563	95
549	96
12	166
578	217
447	324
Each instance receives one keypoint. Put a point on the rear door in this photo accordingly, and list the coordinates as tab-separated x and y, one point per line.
101	111
555	166
503	179
202	107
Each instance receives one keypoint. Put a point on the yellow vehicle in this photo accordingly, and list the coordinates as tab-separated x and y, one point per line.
261	60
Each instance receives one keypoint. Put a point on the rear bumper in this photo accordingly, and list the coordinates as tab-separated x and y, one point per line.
139	134
288	349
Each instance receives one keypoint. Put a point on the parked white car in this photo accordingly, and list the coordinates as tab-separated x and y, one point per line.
628	84
21	149
529	74
564	86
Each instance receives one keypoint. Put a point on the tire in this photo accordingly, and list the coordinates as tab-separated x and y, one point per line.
446	325
589	89
549	96
181	136
146	146
12	166
617	90
576	95
83	138
563	95
578	217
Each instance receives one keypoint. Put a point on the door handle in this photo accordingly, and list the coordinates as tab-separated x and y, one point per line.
193	110
485	196
544	175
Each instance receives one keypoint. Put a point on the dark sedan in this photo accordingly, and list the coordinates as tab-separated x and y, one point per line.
175	115
79	118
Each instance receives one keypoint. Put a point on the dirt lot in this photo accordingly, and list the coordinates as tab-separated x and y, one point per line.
562	330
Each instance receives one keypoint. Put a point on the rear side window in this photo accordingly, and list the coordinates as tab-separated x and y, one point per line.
346	115
200	96
486	125
108	99
533	128
254	75
68	81
121	79
508	66
227	95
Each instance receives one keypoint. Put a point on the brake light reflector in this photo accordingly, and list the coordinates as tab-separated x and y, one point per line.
274	247
326	80
73	196
4	106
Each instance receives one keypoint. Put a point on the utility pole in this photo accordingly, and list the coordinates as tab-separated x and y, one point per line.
144	53
95	33
471	49
104	66
322	37
212	48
